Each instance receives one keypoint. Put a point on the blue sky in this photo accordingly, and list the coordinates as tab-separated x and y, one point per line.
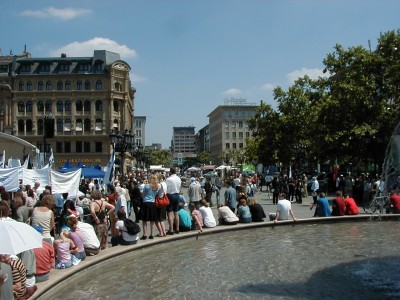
187	56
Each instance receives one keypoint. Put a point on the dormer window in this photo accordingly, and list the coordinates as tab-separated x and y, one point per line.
64	67
45	68
83	67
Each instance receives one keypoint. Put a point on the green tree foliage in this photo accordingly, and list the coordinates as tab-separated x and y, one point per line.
205	157
160	157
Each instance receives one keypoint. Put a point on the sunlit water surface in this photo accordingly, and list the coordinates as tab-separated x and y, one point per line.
323	261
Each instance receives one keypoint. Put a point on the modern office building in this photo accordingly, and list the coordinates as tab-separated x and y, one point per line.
229	128
183	142
67	104
203	139
139	123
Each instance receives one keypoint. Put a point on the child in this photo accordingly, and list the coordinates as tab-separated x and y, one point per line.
197	217
62	249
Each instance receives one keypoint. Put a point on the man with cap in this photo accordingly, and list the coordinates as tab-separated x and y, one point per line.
194	192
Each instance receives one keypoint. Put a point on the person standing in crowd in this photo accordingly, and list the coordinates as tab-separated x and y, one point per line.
299	190
208	190
148	209
275	189
161	211
218	186
230	196
283	209
136	198
314	190
338	206
121	202
173	188
112	199
305	186
194	192
322	206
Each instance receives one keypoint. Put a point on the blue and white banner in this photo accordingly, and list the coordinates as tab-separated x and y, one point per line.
9	179
65	182
109	176
30	176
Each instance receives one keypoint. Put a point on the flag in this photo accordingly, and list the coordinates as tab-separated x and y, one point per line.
108	177
51	160
2	159
26	162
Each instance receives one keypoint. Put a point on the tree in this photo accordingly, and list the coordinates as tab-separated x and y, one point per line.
205	157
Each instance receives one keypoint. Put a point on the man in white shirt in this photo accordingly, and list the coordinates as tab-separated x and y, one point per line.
283	209
90	241
173	188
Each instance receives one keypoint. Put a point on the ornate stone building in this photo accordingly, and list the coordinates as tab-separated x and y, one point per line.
83	97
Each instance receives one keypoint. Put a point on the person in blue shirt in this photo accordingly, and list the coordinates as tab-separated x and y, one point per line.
185	220
322	206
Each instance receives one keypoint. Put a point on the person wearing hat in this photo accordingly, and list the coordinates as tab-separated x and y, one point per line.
45	259
194	192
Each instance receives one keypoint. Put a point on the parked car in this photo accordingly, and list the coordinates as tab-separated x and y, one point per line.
323	181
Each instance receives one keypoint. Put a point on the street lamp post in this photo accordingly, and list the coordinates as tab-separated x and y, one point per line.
48	132
122	143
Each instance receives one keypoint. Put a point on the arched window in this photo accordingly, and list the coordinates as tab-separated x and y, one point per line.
21	86
21	127
40	126
29	125
99	125
99	105
117	87
79	85
87	85
29	105
40	106
68	85
48	86
78	126
67	105
59	86
115	104
29	86
79	105
99	85
86	106
86	126
21	106
40	86
60	106
59	125
67	125
49	106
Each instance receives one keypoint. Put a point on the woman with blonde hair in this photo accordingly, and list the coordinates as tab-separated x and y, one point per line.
148	209
62	249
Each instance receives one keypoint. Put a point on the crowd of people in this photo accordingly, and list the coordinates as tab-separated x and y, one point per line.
73	229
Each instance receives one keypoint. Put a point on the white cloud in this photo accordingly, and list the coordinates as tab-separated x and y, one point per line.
268	86
232	92
312	73
86	48
57	13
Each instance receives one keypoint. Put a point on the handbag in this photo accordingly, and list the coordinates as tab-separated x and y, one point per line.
162	201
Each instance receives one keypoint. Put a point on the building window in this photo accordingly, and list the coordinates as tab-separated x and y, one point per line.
48	85
29	105
67	105
138	133
64	68
59	86
117	87
79	85
86	125
234	135
21	86
87	85
98	147
86	147
25	68
59	125
83	67
59	147
49	106
68	85
78	126
226	124
115	103
247	134
227	134
227	146
29	126
29	86
99	105
138	123
67	147
86	106
240	135
79	105
233	124
115	124
99	125
45	68
240	145
67	125
233	145
40	127
240	124
21	127
21	106
78	147
99	85
60	106
40	106
40	86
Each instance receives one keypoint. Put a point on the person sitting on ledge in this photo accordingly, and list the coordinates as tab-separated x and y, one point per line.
226	216
123	237
197	217
351	206
338	206
395	202
322	207
244	214
283	209
208	216
185	221
256	210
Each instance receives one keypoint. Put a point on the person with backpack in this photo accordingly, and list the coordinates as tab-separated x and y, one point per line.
128	231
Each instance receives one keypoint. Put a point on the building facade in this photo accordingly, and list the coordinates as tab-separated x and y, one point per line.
229	129
183	142
84	97
139	123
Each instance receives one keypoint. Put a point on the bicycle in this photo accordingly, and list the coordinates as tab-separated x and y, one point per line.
378	202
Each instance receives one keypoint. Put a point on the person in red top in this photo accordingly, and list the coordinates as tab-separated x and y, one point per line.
338	206
45	259
395	202
351	206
